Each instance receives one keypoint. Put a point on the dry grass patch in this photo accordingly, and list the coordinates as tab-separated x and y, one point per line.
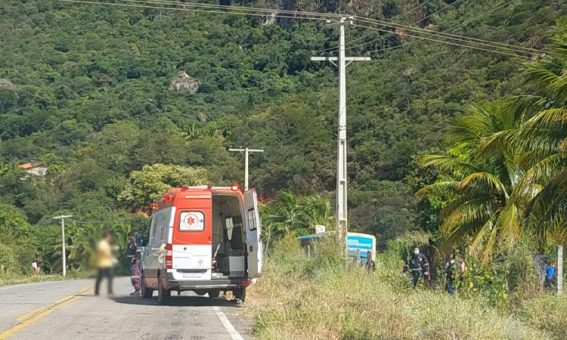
299	299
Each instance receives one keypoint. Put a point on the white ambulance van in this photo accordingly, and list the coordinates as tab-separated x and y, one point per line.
203	239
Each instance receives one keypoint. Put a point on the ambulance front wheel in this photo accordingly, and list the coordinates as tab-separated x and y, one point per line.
240	294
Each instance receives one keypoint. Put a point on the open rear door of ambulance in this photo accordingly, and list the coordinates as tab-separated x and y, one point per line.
253	232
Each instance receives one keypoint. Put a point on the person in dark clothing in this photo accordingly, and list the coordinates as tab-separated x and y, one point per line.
419	267
370	265
130	250
450	266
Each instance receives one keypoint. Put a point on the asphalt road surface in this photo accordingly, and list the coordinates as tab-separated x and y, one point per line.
68	310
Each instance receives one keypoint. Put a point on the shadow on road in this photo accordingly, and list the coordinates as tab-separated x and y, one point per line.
193	301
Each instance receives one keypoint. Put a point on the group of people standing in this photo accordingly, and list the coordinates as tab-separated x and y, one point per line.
418	265
105	261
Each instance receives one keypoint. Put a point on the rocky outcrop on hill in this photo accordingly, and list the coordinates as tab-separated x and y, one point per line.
184	83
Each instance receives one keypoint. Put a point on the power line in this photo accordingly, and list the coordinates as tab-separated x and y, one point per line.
451	36
449	42
454	37
250	11
298	15
452	29
266	11
364	36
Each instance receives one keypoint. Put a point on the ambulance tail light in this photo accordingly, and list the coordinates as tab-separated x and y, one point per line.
246	282
235	187
168	256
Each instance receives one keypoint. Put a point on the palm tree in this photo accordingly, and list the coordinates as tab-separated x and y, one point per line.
483	173
507	167
544	137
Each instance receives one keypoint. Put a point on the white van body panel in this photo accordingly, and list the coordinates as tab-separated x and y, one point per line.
192	262
253	226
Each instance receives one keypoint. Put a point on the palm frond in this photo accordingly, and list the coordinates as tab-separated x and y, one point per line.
470	212
447	164
509	226
438	187
484	178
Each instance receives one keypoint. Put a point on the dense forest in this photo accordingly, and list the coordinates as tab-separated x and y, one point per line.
117	102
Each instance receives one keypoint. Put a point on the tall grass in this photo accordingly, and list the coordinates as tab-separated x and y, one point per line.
324	298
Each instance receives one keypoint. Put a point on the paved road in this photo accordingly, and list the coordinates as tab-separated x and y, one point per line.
68	310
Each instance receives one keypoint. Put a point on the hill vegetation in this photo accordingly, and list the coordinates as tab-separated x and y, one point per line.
87	90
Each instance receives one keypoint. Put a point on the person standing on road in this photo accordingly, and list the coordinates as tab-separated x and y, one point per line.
136	272
36	265
419	267
369	265
130	250
104	262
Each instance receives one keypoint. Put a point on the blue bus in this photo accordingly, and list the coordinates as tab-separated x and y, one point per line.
358	245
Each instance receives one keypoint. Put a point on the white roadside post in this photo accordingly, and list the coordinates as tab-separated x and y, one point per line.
63	247
341	191
246	152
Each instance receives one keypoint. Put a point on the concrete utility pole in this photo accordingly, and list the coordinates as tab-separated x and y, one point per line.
341	203
246	152
62	218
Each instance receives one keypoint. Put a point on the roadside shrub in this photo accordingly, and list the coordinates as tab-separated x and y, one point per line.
8	263
332	301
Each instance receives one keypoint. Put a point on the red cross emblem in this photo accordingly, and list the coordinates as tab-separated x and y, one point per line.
191	220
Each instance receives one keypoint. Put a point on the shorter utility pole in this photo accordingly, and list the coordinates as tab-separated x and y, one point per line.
246	152
560	270
63	247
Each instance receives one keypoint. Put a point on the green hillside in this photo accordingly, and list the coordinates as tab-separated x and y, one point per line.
87	91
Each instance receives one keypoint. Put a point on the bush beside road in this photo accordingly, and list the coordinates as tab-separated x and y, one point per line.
300	298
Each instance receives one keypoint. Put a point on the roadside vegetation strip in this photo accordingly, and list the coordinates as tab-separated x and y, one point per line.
298	297
39	313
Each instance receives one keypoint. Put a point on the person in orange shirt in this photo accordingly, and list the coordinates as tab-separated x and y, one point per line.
104	262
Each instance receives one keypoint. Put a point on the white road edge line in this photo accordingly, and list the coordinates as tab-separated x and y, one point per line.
227	325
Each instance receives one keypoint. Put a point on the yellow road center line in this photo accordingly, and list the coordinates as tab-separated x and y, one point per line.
86	290
37	314
31	313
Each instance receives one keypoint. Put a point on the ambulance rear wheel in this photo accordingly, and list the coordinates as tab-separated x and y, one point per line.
214	293
240	294
163	294
146	292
